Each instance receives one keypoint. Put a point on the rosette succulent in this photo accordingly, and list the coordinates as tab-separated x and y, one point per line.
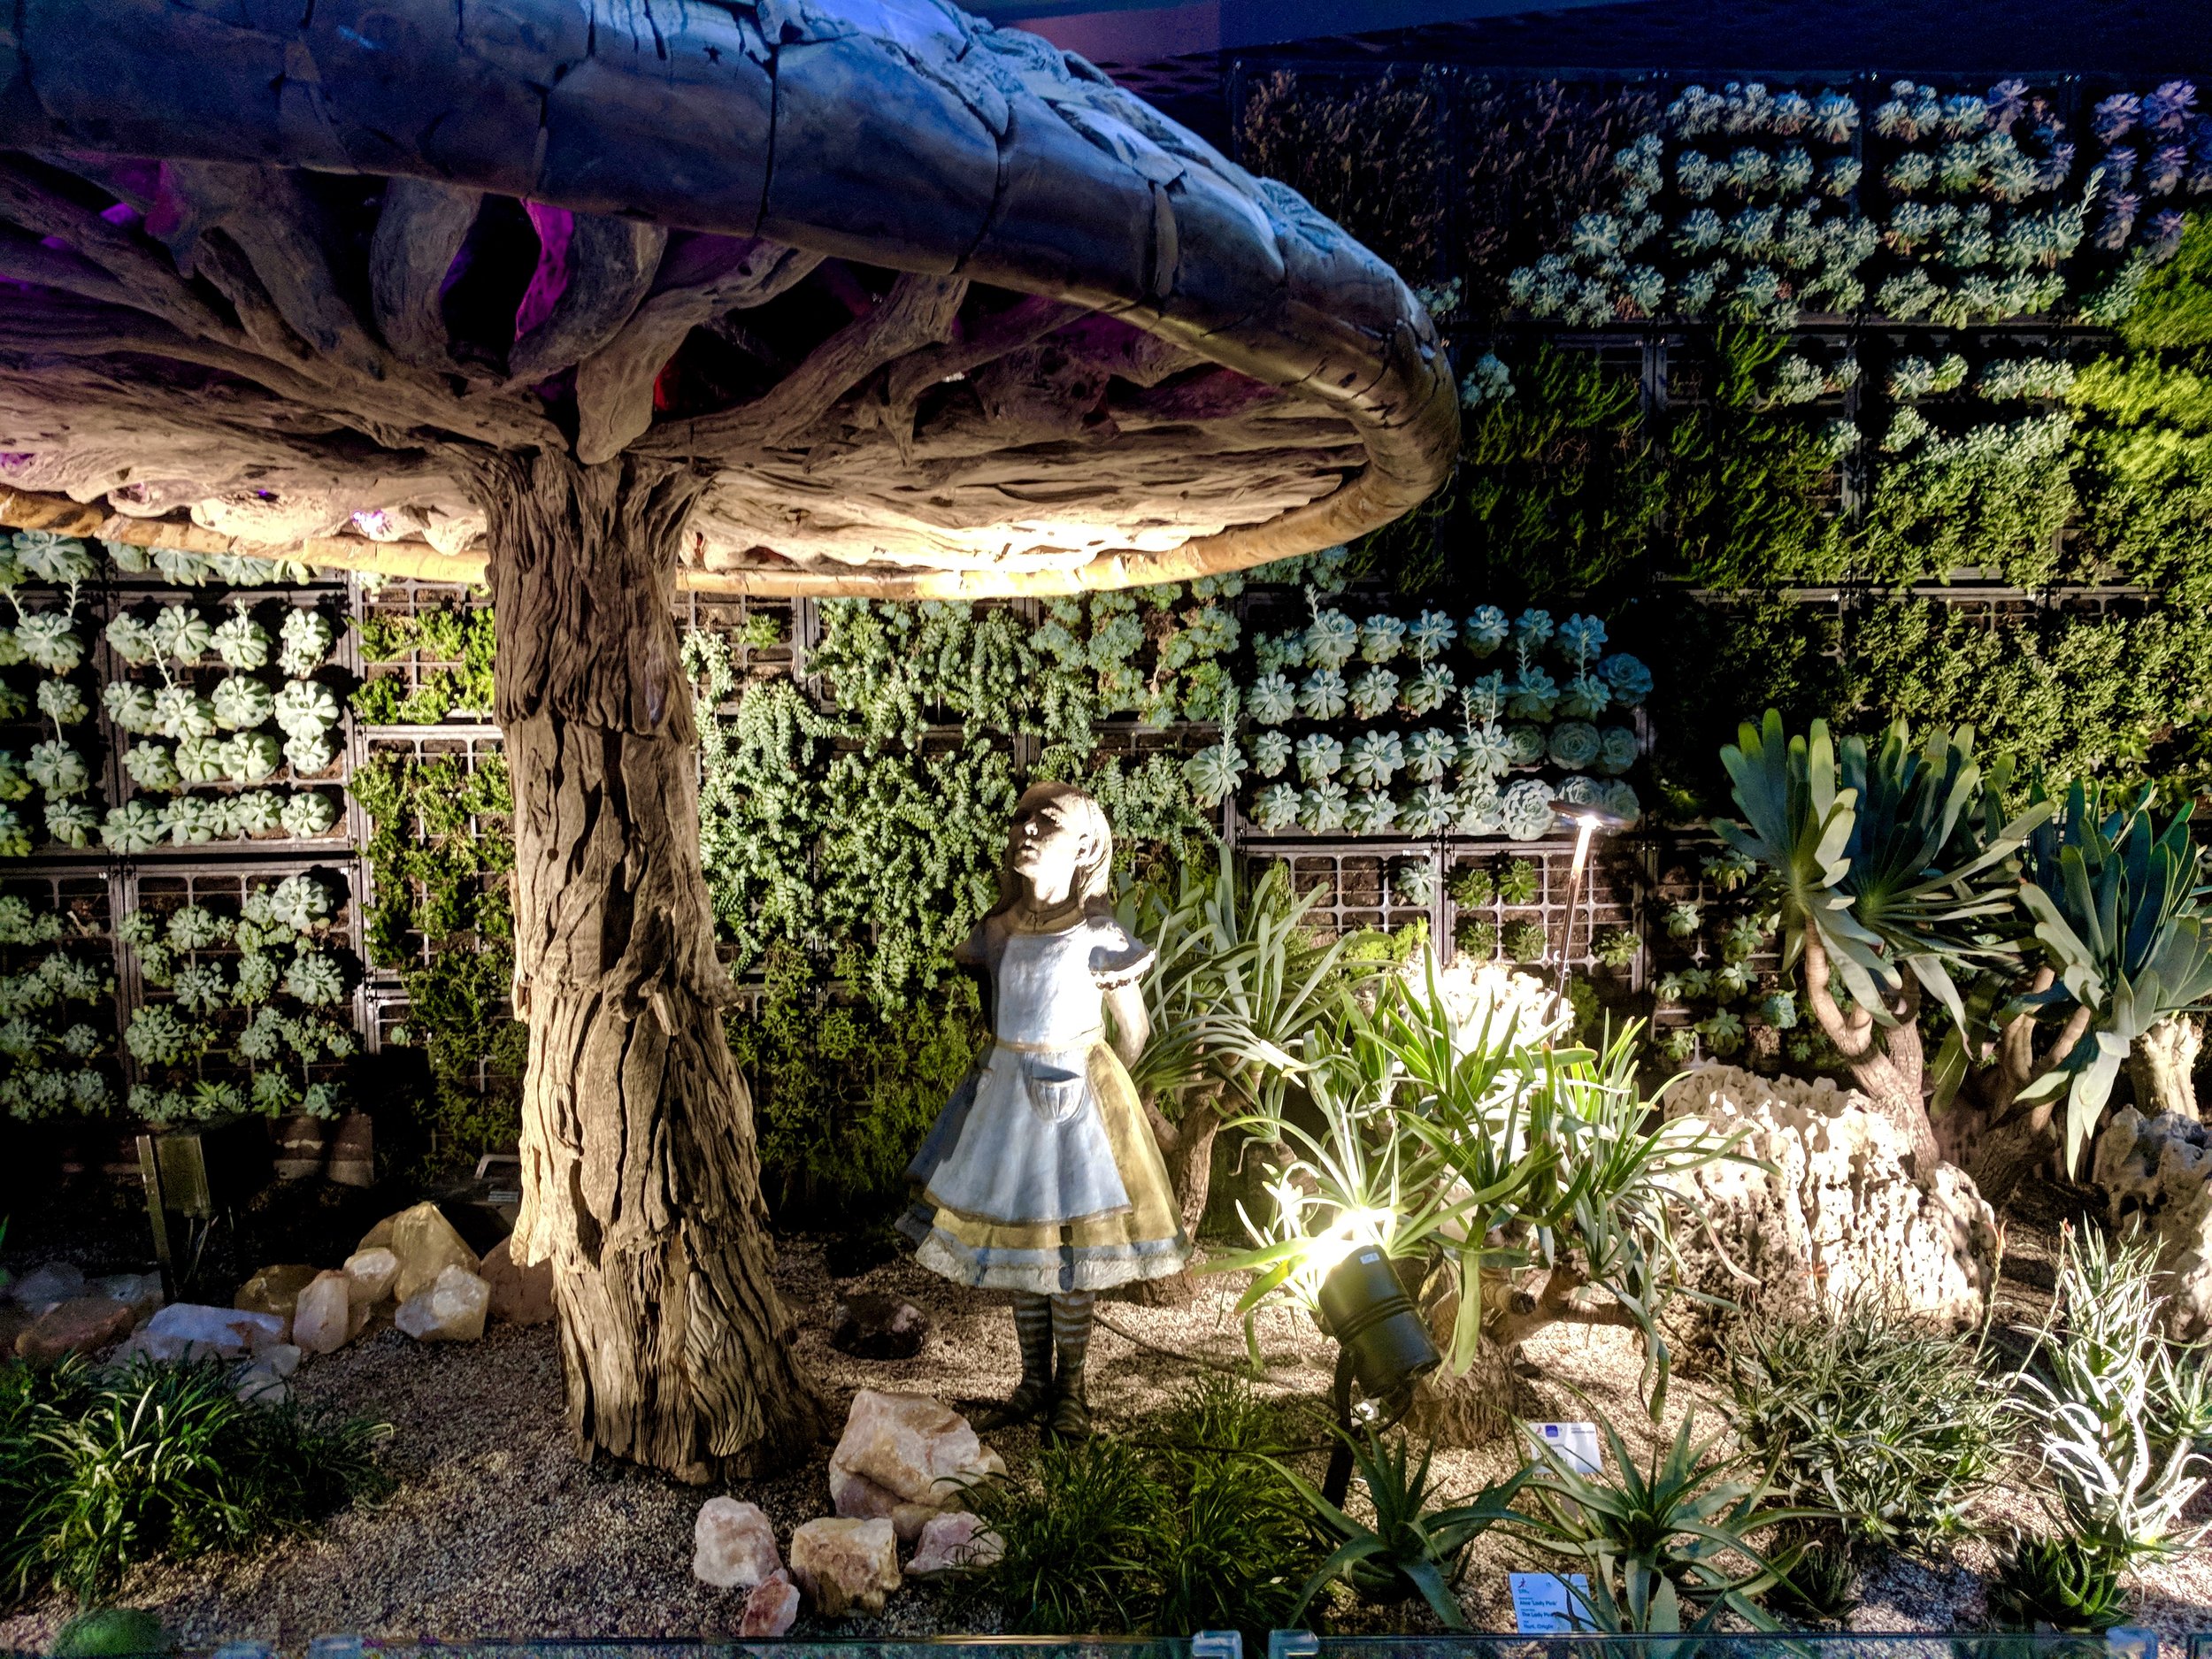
314	978
298	903
1621	801
1428	754
1331	638
1631	680
134	827
1582	639
1373	693
1481	811
310	753
257	812
1429	691
1276	807
150	766
189	821
1322	807
15	840
57	769
132	641
1322	696
1371	812
1531	630
1685	917
72	823
1532	694
178	714
1431	635
13	784
180	632
1270	753
1525	813
61	701
1374	759
130	707
1487	630
1215	771
1617	749
240	703
1319	756
203	760
1585	696
1428	810
304	641
251	757
304	709
242	642
1525	743
1574	745
1271	700
1484	753
48	639
1380	639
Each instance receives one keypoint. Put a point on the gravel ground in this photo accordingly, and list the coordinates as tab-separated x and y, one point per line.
493	1529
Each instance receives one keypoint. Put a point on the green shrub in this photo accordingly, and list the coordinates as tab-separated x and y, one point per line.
110	1632
1892	1426
162	1460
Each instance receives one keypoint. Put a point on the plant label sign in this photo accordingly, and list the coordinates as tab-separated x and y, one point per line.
1544	1602
1576	1442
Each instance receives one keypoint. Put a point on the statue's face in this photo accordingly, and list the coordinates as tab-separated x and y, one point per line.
1047	850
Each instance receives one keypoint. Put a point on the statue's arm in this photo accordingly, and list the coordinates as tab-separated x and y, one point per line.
1132	1026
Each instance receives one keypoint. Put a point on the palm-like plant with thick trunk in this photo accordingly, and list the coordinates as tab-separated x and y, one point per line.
1894	869
2120	941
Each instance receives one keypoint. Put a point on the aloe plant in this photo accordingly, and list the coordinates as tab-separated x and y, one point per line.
1894	868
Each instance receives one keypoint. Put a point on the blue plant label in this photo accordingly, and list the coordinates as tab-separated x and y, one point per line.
1576	1442
1544	1603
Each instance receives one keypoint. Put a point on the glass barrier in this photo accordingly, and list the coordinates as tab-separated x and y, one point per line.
1208	1645
2117	1644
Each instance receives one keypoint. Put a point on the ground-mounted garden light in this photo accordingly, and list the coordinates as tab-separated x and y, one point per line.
1585	821
1382	1345
847	297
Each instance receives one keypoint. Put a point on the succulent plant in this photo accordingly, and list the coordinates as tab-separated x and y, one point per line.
1487	630
1527	813
1371	812
1322	696
1331	638
1270	753
1432	631
1272	699
1373	693
150	767
1428	754
1319	756
1276	807
1428	810
1322	807
134	827
1380	639
1215	771
1374	759
308	813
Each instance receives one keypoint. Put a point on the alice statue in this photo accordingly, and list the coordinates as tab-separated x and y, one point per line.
1040	1176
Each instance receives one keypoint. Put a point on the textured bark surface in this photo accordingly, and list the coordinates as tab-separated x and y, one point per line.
1887	1062
2162	1066
642	1180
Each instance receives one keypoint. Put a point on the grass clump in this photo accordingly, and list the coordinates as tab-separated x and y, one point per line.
1889	1424
1193	1529
99	1471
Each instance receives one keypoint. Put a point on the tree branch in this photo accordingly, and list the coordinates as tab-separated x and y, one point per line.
611	267
420	230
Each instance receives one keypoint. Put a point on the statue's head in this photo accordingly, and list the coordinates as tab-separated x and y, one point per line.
1061	846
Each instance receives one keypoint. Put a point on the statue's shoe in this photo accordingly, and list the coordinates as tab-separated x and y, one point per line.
1026	1403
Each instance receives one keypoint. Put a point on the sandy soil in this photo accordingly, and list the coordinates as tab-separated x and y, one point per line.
495	1529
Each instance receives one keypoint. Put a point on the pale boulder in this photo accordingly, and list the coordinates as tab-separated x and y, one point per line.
905	1458
426	1244
275	1290
44	1286
81	1324
1841	1219
845	1565
141	1292
733	1546
371	1274
327	1317
450	1310
2158	1172
521	1294
188	1330
957	1542
771	1609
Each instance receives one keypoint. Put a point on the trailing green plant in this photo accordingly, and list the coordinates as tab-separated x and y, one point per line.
1414	1546
150	1460
1889	1424
1665	1546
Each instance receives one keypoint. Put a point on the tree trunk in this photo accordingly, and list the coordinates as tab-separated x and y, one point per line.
640	1177
1998	1141
1887	1062
2162	1066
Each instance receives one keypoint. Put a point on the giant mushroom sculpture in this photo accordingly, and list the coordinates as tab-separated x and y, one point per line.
834	296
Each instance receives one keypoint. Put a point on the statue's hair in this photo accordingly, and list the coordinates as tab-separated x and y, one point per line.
1094	876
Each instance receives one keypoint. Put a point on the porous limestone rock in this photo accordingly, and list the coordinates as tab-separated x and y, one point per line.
520	1295
1841	1218
81	1324
733	1545
2159	1172
450	1310
275	1289
188	1330
327	1317
905	1458
426	1244
843	1565
371	1274
954	1543
771	1609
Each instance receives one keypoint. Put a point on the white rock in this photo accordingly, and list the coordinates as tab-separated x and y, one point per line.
56	1281
844	1564
141	1292
1842	1219
733	1545
425	1245
451	1311
954	1543
258	1386
2160	1170
371	1274
187	1331
280	1359
771	1609
904	1458
326	1317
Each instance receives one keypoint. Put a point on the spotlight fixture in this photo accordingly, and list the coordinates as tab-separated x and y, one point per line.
1585	821
1381	1344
